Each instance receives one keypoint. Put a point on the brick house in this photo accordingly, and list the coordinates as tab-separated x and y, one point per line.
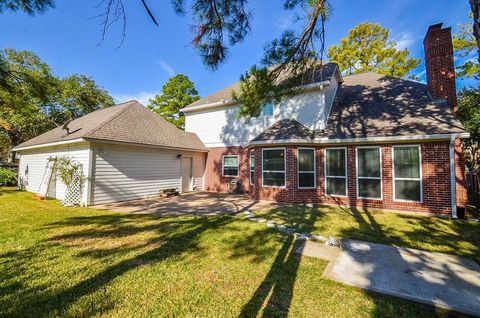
365	140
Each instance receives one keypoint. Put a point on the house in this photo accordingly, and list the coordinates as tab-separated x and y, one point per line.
364	140
125	152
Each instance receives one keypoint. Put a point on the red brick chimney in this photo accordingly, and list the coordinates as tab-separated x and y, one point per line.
438	49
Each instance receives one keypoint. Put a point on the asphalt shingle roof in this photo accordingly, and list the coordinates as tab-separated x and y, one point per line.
374	105
128	122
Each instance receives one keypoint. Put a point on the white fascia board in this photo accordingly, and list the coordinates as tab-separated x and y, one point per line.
326	140
50	144
134	144
231	102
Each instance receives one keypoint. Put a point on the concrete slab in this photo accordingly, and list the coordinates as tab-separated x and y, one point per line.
194	203
318	250
437	279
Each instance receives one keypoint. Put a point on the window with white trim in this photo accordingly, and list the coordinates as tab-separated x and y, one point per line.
369	173
273	167
252	167
306	168
336	171
230	166
407	176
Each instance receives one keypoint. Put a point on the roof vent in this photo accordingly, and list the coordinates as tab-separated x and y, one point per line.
65	127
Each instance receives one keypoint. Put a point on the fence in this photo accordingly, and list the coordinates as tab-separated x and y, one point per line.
473	182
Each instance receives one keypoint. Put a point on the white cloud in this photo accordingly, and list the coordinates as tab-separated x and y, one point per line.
166	67
404	40
141	97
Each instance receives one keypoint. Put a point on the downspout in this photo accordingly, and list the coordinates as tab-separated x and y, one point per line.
453	177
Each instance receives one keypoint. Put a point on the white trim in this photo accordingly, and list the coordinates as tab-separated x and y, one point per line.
279	171
314	168
371	178
411	179
250	153
223	166
50	144
325	140
325	172
90	176
453	178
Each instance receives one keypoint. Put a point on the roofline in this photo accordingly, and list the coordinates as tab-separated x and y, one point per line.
230	102
115	142
326	140
87	139
49	144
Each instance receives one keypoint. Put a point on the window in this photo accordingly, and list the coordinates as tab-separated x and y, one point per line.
407	174
273	167
306	168
230	166
336	171
369	173
252	167
267	109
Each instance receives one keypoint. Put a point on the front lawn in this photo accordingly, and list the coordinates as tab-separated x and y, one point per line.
57	261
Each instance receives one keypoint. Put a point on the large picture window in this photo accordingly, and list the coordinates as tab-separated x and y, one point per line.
407	174
336	171
306	168
252	167
273	167
369	173
230	166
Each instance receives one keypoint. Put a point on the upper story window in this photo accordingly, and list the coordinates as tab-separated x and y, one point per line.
407	173
230	166
267	109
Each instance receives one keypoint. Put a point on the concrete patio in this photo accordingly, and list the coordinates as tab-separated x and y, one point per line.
194	203
437	279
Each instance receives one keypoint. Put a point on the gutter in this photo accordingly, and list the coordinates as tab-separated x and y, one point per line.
230	102
50	144
326	140
453	177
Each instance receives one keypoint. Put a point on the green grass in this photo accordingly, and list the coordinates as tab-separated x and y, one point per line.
77	262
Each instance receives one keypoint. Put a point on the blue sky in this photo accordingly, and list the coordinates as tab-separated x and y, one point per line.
66	38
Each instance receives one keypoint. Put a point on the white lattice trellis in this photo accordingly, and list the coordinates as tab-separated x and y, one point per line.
73	193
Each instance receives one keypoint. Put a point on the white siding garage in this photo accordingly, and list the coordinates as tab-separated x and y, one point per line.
33	165
122	172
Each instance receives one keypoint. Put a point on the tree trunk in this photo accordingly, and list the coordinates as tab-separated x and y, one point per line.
475	6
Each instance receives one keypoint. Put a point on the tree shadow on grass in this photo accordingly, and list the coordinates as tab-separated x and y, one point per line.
274	294
167	238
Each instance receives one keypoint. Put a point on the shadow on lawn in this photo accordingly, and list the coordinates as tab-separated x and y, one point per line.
172	239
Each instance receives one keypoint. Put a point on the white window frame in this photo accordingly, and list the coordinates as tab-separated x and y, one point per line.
284	171
223	166
325	172
412	179
314	168
371	178
252	152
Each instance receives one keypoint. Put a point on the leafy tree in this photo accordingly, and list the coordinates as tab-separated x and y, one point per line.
33	100
178	92
28	6
475	7
465	44
368	48
469	115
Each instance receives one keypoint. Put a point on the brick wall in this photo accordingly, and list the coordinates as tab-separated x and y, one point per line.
435	179
439	65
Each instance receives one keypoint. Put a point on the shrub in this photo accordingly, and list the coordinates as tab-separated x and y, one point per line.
7	177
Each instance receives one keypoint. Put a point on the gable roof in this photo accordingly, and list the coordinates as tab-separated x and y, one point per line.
324	73
372	105
129	122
